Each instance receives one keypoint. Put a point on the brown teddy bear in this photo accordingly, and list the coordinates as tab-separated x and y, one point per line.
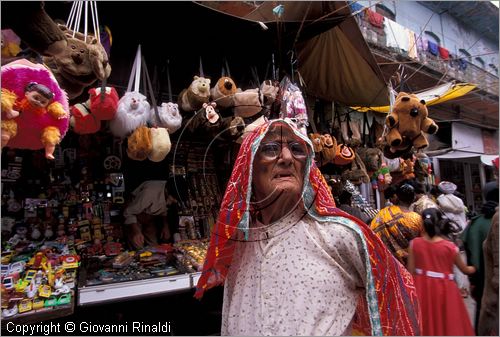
198	92
407	123
81	64
223	91
316	141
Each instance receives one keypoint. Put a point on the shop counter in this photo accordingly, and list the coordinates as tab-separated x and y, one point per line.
120	291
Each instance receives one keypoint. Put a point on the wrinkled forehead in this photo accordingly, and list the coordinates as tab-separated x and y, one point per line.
280	132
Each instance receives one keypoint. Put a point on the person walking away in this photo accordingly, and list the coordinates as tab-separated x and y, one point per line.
345	204
473	237
454	209
291	262
422	200
396	225
430	260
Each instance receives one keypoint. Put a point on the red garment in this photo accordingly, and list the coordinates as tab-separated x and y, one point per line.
375	18
443	309
444	53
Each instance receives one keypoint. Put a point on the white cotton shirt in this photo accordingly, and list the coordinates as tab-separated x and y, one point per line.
149	198
304	279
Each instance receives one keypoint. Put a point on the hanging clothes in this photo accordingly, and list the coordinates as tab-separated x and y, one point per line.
396	35
433	48
375	19
354	6
412	43
422	44
444	53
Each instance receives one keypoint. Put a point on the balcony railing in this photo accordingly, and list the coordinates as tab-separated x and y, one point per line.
471	73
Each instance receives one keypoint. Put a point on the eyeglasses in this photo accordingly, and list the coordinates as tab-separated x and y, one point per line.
272	150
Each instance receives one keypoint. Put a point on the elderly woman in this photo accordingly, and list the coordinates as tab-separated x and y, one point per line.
293	263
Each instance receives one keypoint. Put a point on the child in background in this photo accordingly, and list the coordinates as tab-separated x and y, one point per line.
430	260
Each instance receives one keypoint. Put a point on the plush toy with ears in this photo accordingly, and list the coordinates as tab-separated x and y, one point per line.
168	117
223	91
316	141
329	148
407	123
102	105
198	92
80	64
133	111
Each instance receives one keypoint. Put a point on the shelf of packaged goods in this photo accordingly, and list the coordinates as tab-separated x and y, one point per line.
132	289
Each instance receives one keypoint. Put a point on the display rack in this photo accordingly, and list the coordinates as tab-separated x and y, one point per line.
121	291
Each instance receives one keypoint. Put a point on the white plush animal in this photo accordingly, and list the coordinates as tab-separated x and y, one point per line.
169	117
133	111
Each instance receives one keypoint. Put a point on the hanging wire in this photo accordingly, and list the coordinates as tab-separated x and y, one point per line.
98	30
85	25
168	82
71	16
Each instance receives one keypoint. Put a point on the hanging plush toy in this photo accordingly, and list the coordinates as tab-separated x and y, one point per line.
329	148
81	64
160	141
223	91
407	123
43	107
168	117
139	143
9	125
192	98
86	117
133	111
316	141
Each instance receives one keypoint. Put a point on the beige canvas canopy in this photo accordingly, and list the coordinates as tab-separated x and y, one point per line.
334	60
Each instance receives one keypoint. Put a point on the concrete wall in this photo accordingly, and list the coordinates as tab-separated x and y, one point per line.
453	34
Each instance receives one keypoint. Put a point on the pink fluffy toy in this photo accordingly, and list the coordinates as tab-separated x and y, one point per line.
43	107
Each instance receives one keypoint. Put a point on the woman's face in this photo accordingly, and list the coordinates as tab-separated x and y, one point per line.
278	168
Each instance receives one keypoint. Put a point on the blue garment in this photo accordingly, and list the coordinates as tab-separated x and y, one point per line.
433	48
354	6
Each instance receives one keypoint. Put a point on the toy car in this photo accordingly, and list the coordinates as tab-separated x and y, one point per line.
17	267
50	302
9	312
64	299
25	305
70	261
38	303
6	256
8	282
30	275
44	291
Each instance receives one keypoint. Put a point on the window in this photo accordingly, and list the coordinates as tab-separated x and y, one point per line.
383	10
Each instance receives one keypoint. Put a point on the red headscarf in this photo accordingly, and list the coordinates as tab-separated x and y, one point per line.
389	305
